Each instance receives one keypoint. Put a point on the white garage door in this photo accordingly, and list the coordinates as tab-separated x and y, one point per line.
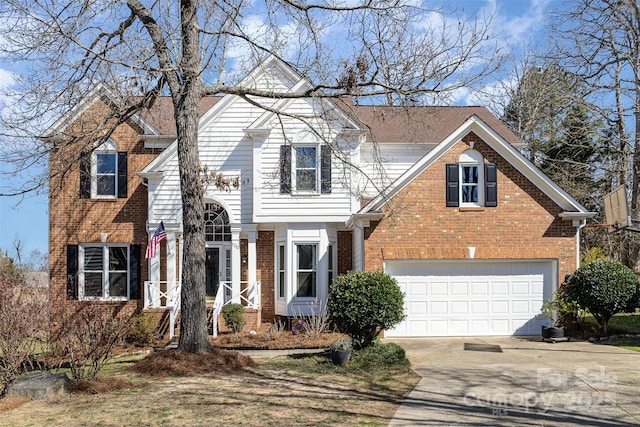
470	298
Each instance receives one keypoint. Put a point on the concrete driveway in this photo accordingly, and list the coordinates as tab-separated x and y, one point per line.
515	381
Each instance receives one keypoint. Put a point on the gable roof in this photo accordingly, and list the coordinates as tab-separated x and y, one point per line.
424	124
156	120
572	209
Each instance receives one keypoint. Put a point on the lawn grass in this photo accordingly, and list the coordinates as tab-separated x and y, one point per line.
304	390
621	324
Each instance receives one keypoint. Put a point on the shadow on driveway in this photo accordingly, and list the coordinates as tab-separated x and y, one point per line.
526	382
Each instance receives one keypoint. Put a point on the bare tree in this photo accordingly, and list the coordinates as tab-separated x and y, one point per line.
599	40
396	51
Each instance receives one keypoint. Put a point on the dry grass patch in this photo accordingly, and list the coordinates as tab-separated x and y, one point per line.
101	385
302	390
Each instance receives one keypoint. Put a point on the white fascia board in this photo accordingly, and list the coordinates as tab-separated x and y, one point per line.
87	102
301	219
262	69
76	111
329	106
525	167
497	143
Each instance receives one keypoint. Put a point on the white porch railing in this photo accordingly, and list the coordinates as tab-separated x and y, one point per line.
164	294
247	295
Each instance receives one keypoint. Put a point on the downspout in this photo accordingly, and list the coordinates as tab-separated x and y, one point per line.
581	224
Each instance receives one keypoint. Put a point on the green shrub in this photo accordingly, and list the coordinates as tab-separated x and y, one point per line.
233	315
381	355
361	304
604	287
142	329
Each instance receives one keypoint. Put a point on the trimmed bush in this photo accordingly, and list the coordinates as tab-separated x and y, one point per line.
142	329
604	287
362	304
381	355
233	315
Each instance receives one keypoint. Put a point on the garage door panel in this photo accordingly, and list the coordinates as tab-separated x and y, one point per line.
439	288
459	307
479	307
520	307
459	288
459	326
416	308
479	288
500	288
449	298
439	307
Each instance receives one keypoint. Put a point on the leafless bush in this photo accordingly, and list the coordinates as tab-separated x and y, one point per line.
275	331
88	337
316	321
23	325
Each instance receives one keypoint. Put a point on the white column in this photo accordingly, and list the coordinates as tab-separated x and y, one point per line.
358	246
154	276
171	265
235	264
252	264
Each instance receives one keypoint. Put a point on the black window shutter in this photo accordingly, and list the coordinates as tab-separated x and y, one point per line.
490	185
452	185
72	271
325	170
122	175
85	176
134	272
285	169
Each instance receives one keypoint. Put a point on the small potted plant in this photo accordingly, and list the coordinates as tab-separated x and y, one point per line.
550	311
341	351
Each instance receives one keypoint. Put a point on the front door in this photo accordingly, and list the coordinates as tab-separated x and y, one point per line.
212	271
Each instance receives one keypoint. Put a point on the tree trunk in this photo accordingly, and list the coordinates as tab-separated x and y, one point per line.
193	318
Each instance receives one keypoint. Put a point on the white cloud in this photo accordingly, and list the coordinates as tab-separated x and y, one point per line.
7	78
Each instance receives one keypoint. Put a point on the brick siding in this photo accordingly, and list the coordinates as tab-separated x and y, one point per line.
524	225
73	220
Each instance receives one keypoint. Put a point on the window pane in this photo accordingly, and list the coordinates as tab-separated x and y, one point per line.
93	284
306	157
470	174
306	257
93	258
306	284
106	185
106	163
469	194
306	180
306	271
118	284
118	259
281	271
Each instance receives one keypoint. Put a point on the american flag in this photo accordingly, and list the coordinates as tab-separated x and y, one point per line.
157	237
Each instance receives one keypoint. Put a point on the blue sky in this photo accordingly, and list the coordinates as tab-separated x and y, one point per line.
25	219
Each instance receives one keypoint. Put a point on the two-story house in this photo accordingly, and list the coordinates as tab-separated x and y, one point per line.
438	197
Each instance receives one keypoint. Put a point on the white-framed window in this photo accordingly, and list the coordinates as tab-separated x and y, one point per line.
104	171
306	270
471	178
305	168
216	223
280	294
104	271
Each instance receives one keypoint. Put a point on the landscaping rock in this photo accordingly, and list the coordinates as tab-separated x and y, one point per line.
40	386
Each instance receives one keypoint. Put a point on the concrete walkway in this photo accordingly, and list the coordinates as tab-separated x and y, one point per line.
509	381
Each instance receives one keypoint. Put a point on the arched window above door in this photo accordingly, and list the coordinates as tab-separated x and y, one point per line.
216	223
